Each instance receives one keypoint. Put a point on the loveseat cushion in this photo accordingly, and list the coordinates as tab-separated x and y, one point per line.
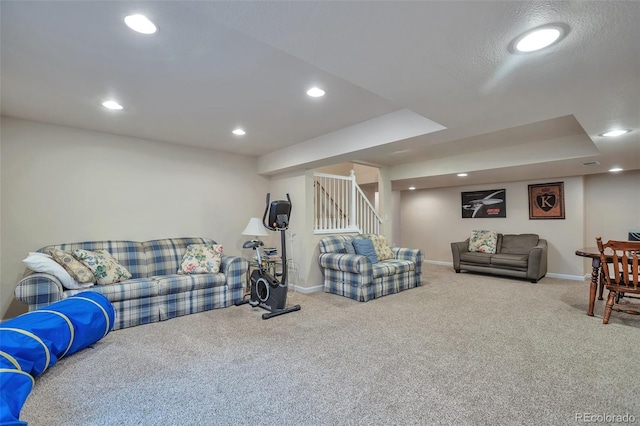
338	243
510	260
172	284
383	269
518	244
136	288
476	257
401	266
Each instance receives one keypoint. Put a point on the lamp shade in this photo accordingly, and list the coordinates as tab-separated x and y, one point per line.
255	228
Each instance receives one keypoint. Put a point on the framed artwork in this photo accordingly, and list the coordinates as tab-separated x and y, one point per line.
546	201
483	204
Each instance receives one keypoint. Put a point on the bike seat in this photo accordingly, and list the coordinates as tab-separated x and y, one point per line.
253	244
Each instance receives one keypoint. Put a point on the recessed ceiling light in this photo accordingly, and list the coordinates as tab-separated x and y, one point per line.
462	174
141	24
538	38
239	132
412	188
615	169
315	92
402	151
111	105
614	133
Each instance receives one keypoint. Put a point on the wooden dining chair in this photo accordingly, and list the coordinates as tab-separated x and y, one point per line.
620	274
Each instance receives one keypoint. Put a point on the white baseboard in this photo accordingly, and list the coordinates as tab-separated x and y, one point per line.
438	262
565	277
306	290
549	274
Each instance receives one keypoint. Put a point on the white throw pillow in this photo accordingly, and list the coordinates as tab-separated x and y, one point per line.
41	262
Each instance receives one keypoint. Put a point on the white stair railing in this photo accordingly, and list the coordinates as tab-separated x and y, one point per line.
341	206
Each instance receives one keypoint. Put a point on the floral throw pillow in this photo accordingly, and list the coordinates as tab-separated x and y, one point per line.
381	246
483	241
201	259
105	267
76	269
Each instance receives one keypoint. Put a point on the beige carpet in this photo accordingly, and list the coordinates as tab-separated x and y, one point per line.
462	349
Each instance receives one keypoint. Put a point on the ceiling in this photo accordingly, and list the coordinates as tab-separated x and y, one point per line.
426	89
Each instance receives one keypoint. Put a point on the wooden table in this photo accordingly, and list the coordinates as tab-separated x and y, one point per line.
596	274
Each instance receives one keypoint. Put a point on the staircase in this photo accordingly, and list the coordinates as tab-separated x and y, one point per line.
341	206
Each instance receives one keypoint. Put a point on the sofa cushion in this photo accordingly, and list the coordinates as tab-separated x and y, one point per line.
518	244
136	288
165	256
171	284
483	241
365	247
401	266
476	257
510	260
104	267
201	259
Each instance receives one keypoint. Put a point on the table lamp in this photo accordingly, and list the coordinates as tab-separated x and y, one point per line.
255	228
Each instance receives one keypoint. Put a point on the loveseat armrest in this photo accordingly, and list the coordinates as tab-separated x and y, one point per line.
235	270
354	263
414	255
537	264
39	289
456	249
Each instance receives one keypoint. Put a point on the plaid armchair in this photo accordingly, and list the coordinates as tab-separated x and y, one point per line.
354	276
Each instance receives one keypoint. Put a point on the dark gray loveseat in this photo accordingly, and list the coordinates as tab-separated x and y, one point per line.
517	255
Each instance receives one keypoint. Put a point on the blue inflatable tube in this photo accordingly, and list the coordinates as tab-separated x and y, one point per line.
35	341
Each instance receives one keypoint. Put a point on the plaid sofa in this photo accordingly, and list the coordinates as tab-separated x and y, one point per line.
155	291
354	276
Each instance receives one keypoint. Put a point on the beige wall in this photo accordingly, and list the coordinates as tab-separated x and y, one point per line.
431	219
302	245
611	196
60	184
50	180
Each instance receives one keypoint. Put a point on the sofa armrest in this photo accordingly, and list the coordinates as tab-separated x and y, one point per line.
354	263
39	289
456	249
235	270
537	264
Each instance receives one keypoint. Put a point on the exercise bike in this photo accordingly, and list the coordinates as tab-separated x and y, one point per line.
267	291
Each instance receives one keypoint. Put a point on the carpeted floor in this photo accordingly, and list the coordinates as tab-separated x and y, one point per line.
462	349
